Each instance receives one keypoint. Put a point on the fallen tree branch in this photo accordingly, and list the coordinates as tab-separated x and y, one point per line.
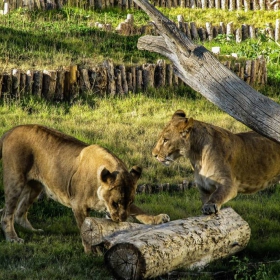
137	251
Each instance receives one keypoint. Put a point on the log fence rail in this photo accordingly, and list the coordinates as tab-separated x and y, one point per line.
231	5
109	79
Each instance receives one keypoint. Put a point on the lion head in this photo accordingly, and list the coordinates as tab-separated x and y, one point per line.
174	139
117	191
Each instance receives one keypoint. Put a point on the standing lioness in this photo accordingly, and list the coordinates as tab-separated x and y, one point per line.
224	163
73	173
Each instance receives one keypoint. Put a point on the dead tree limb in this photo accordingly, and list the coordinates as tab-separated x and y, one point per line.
198	68
139	251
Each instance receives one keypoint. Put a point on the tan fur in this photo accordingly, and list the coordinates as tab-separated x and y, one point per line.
77	175
224	163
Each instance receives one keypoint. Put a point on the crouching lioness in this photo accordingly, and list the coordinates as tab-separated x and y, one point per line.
73	173
224	163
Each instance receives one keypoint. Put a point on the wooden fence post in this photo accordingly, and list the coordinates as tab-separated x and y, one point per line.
111	85
60	83
15	84
277	30
37	83
49	84
148	75
160	73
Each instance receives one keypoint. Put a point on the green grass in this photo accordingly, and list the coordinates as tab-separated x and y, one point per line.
129	127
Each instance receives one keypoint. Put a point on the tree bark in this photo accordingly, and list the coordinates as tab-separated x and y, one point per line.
139	251
198	68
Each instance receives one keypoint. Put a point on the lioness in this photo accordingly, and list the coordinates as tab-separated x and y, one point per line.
224	163
73	173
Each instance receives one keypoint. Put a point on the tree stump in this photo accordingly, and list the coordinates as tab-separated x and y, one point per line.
139	251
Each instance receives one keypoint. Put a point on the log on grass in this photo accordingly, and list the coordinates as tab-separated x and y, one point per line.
137	251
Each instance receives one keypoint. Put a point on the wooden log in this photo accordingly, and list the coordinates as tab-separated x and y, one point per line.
119	89
246	5
6	7
15	84
84	83
29	82
204	4
139	251
252	32
248	70
193	4
133	74
256	5
111	85
139	79
245	31
148	75
188	31
60	82
98	79
123	79
224	4
66	92
222	28
73	82
181	23
160	73
232	5
37	83
194	33
269	30
6	84
209	31
211	4
277	30
49	84
229	30
262	5
202	33
169	74
239	5
238	35
22	83
218	4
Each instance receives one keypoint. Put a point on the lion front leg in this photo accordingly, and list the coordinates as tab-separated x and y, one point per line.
144	218
216	199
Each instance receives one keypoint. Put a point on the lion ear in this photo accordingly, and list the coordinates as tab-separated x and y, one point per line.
106	176
136	172
179	114
188	127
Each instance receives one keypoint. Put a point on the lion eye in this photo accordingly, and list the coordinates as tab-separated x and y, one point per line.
165	140
115	204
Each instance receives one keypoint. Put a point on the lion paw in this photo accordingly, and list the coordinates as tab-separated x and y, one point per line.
208	209
15	240
162	218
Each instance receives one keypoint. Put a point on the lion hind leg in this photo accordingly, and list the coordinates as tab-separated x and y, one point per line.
7	220
28	195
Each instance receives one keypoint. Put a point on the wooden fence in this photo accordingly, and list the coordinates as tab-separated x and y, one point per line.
109	79
124	4
194	32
